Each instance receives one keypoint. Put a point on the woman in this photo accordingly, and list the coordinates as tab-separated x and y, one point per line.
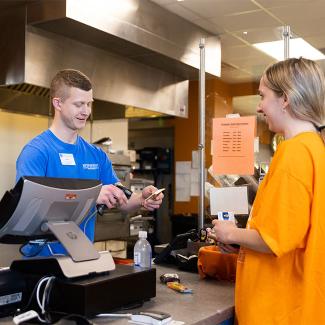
281	264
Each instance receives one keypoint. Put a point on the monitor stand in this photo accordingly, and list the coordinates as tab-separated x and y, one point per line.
84	259
77	244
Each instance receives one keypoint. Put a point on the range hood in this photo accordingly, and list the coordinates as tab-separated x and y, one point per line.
138	55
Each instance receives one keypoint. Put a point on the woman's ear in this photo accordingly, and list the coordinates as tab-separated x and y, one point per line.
285	101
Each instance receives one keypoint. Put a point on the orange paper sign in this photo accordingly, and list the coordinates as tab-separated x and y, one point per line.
233	145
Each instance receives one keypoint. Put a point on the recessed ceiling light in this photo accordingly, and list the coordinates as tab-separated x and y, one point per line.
297	47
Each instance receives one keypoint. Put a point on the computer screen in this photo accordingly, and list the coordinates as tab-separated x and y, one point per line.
34	201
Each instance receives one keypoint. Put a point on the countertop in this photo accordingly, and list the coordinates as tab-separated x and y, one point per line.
211	303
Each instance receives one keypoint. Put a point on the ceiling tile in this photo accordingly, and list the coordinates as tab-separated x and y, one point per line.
230	18
209	26
247	21
163	2
293	13
181	11
212	8
263	60
228	40
316	41
261	35
268	4
240	52
314	28
254	70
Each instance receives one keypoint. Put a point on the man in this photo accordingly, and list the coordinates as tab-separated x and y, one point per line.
61	152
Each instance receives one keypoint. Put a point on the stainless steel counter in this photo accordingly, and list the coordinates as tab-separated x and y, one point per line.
211	303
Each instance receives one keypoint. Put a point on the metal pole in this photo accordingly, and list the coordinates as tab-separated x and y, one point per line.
286	39
201	147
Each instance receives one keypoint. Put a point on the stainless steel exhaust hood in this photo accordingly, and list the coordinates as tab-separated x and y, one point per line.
141	55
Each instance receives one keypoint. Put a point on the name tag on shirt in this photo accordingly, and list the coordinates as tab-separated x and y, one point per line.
67	159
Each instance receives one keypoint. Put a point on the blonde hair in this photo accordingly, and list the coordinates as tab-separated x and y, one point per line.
303	83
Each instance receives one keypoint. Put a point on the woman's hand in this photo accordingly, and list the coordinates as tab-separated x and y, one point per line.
226	232
223	231
224	248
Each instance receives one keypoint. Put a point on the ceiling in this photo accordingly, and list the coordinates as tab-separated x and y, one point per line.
240	23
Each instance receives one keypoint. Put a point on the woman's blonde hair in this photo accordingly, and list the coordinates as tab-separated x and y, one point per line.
303	83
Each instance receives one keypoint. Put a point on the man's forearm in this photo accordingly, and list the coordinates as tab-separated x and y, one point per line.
134	203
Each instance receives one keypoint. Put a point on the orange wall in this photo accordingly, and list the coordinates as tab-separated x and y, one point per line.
218	103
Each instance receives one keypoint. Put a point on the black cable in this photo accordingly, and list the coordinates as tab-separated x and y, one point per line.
79	319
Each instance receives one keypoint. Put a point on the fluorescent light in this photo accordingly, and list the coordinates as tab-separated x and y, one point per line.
297	48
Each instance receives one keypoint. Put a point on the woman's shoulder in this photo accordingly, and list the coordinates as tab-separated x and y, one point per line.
297	156
302	145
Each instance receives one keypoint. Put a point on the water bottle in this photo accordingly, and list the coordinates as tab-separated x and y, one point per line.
142	251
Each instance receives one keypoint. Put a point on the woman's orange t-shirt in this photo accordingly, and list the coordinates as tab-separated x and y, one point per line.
287	287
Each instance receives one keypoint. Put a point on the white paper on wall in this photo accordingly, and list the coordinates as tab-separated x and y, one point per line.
183	181
183	167
194	182
195	159
183	194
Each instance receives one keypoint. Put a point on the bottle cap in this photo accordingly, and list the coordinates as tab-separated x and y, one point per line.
142	234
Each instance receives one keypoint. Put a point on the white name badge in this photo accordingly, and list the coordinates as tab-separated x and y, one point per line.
67	159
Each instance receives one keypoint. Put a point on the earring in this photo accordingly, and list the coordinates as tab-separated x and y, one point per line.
283	110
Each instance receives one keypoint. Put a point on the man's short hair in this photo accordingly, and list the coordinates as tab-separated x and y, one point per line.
66	79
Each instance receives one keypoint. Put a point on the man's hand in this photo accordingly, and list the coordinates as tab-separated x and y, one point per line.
112	197
151	203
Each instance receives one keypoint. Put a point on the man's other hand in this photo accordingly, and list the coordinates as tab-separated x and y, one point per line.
154	201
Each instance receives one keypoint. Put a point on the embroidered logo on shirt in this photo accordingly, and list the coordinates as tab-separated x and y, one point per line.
90	166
